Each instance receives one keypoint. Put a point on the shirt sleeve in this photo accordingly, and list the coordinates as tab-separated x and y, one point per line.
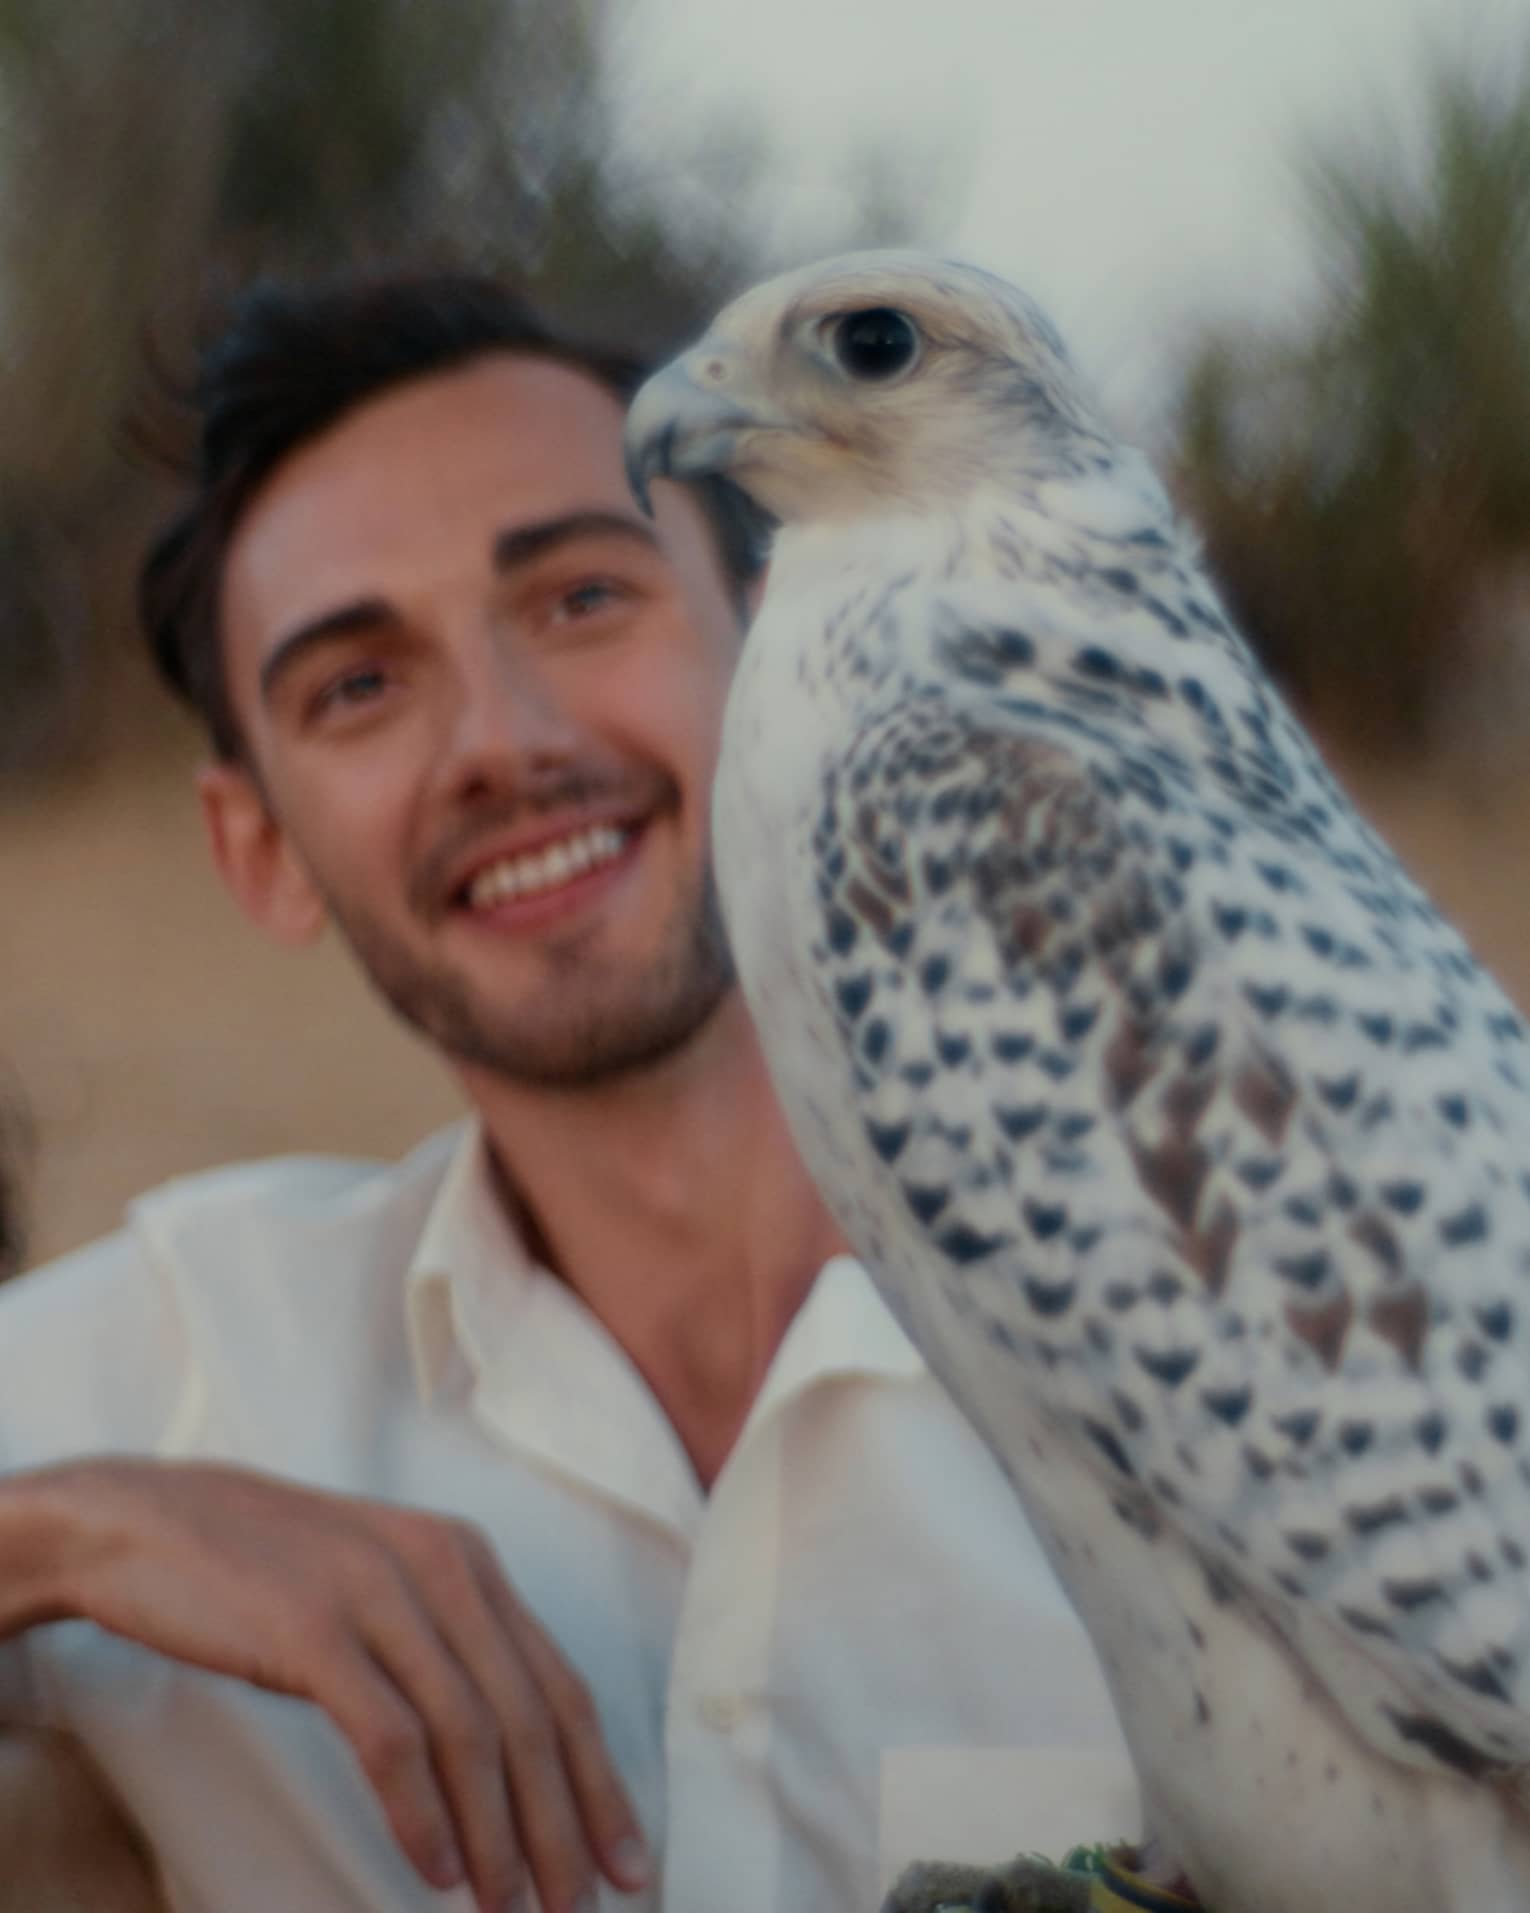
93	1357
93	1360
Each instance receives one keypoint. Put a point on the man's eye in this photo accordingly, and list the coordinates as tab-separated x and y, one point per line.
594	595
350	689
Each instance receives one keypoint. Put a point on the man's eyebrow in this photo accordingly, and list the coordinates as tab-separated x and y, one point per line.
520	545
331	627
524	544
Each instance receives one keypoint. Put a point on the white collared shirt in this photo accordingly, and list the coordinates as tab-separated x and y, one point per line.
851	1652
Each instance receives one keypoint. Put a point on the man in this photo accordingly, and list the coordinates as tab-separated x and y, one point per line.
585	1385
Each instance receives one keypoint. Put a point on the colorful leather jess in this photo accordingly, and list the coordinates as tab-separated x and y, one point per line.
1116	1889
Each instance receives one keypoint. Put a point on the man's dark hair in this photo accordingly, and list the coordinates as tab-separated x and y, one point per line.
287	363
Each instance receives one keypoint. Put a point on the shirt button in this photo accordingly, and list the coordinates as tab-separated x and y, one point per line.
721	1711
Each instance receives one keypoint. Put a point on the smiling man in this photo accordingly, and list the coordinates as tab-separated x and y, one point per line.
558	1506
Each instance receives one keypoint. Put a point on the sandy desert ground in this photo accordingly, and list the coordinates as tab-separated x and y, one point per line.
147	1031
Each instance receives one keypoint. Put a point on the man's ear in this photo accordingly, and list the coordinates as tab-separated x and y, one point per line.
255	856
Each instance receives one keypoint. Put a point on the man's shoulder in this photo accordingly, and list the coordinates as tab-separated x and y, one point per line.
295	1193
275	1198
115	1344
245	1247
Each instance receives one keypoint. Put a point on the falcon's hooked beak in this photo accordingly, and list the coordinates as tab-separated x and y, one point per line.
688	420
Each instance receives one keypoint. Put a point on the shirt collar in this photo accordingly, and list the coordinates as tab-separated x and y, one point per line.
476	1300
471	1246
536	1367
468	1238
842	1329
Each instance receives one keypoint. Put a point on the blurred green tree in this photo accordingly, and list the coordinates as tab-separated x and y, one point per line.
153	152
1364	487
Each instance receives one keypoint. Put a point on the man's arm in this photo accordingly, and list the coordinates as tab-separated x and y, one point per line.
480	1741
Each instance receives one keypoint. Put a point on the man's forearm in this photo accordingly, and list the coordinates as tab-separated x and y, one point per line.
482	1743
35	1536
67	1844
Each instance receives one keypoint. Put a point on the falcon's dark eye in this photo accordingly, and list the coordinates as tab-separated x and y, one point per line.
876	344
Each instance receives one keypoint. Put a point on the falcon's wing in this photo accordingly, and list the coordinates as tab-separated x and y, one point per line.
1122	1079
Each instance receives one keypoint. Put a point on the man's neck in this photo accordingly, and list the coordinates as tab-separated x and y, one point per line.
673	1202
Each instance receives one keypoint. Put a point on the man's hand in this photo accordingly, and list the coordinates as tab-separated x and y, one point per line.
481	1742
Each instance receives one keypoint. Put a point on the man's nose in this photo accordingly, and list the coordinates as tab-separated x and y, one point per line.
506	725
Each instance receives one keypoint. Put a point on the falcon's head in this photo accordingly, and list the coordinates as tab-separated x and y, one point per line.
872	382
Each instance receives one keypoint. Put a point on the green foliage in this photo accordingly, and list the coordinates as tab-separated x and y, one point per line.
1364	488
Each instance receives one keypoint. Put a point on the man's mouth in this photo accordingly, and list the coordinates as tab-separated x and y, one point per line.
550	866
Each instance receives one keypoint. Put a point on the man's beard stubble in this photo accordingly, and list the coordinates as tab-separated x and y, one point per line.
606	1021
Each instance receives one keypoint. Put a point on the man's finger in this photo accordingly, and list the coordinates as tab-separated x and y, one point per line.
393	1747
462	1729
487	1641
601	1801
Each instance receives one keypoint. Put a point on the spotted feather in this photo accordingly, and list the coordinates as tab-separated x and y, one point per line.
1185	1137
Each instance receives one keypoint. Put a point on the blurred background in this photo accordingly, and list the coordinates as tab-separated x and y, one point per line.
1289	240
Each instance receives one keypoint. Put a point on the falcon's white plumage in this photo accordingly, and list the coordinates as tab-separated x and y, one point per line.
1189	1143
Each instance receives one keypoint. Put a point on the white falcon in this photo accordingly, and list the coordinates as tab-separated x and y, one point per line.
1187	1141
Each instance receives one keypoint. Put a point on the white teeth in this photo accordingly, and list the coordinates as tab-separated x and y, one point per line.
545	869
